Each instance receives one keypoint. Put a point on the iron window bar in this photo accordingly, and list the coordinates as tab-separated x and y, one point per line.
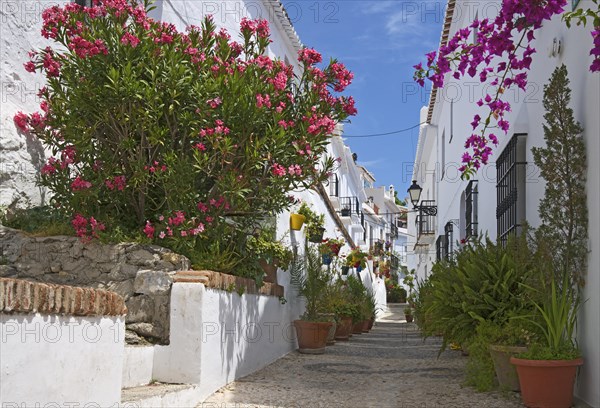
471	209
349	206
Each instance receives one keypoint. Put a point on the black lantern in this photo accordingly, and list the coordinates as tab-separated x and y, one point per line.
415	193
415	196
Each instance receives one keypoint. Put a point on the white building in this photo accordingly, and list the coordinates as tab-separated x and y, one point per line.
466	208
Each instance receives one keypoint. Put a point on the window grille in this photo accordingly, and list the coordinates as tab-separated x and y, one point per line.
471	209
510	187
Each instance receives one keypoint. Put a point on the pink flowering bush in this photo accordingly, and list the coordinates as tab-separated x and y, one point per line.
500	58
176	135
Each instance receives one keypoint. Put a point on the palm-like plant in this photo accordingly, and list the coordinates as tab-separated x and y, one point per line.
311	280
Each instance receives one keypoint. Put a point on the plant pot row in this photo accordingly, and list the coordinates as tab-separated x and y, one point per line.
313	337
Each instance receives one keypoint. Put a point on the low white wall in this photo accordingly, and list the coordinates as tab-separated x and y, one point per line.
138	363
53	360
217	337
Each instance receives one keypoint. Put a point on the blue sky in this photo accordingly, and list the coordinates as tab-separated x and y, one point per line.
379	41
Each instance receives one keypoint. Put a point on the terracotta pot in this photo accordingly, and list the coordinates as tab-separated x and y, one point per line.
270	271
344	329
547	383
371	322
312	336
296	221
357	328
331	333
505	371
365	326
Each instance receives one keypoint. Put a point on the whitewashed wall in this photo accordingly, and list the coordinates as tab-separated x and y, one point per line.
54	360
217	337
526	116
21	157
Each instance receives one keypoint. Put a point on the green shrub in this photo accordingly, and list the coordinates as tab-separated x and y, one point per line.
483	282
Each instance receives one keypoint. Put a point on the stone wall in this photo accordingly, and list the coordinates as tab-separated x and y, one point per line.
141	274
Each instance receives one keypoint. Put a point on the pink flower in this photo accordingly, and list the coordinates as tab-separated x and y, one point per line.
262	28
130	39
263	101
295	169
248	26
80	184
278	170
149	230
29	66
200	146
214	103
21	122
162	235
308	56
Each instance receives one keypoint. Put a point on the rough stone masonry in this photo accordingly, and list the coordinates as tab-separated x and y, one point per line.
141	274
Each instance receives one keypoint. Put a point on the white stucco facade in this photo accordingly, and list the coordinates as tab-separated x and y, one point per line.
441	144
41	354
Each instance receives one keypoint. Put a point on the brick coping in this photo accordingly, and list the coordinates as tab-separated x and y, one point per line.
23	296
223	281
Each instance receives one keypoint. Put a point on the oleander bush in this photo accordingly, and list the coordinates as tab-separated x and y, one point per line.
178	137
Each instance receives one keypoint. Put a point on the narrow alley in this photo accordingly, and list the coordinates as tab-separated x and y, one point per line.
389	367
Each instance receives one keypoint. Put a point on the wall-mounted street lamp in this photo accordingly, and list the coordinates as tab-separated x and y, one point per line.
414	192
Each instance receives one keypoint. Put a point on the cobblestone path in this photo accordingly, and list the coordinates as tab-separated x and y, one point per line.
389	367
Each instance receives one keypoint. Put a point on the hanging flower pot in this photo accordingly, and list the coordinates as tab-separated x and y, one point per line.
345	212
317	235
345	270
296	221
358	269
327	259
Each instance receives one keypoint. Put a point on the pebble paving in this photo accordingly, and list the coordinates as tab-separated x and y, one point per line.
392	366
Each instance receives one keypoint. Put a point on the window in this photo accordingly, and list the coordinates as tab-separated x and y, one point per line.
448	233
510	187
84	3
471	209
440	248
334	183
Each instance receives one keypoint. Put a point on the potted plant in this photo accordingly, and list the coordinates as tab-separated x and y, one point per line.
408	314
503	342
296	221
345	212
315	223
272	254
330	248
357	259
547	371
311	281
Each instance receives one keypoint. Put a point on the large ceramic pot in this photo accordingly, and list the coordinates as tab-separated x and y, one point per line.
547	383
296	221
365	326
505	371
270	270
312	336
357	327
344	328
371	322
